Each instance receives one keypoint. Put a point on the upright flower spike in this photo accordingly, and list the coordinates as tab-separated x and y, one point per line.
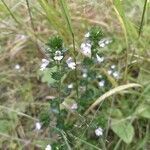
86	49
71	64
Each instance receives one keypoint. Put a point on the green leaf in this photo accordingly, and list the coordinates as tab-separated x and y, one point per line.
144	111
46	75
5	126
123	129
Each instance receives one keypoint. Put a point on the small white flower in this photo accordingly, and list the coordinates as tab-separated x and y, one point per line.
74	106
44	64
101	83
70	86
48	147
71	64
113	67
105	41
99	132
99	76
38	126
101	44
116	74
109	72
84	75
87	35
58	56
86	49
99	59
17	66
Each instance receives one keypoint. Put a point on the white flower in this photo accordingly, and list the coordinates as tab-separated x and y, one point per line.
71	64
86	49
58	56
87	35
38	126
101	83
17	66
99	59
70	86
84	75
99	76
116	74
74	106
105	41
99	132
48	147
113	67
101	44
109	72
44	64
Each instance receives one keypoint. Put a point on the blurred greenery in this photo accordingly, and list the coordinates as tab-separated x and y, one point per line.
26	92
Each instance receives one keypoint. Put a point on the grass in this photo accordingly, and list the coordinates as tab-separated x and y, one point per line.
120	109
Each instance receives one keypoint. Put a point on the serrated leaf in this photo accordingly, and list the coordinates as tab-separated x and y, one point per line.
123	129
46	75
56	75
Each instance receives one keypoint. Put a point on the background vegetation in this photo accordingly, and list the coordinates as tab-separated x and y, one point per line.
124	110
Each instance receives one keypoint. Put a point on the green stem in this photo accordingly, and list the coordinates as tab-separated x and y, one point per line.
65	12
59	85
142	20
76	74
12	15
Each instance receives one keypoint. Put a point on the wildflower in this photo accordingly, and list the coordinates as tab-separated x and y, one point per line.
99	131
74	106
86	49
44	64
101	83
38	126
109	72
71	64
99	76
17	66
105	41
58	56
70	86
113	67
99	59
116	74
48	147
87	35
84	75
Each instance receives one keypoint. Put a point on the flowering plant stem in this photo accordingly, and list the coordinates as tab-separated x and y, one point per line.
59	84
68	20
76	74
